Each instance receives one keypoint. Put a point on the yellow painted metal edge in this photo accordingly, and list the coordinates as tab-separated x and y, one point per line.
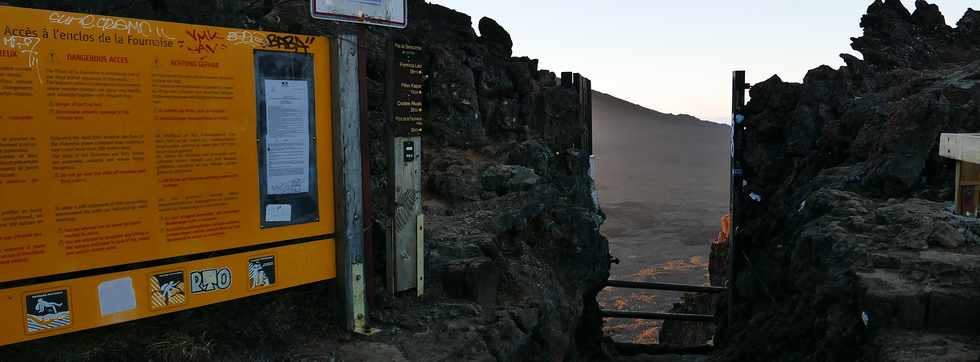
133	295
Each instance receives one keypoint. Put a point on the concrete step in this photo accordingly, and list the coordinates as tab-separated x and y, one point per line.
894	300
897	345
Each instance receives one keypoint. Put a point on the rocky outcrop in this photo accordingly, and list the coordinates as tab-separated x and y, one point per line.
852	252
514	256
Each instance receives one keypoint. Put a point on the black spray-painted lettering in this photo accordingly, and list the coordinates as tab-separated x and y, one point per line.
290	42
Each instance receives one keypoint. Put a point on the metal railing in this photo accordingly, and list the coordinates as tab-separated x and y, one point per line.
664	287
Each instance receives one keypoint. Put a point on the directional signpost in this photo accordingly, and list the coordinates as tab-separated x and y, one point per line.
354	258
405	97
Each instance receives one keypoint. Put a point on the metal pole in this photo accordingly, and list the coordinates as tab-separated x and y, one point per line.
664	286
738	103
348	180
658	316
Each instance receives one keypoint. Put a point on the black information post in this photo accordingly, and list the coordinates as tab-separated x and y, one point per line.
405	88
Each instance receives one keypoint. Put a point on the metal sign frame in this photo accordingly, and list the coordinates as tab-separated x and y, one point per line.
389	13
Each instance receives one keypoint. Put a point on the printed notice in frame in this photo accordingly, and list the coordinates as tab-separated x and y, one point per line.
287	119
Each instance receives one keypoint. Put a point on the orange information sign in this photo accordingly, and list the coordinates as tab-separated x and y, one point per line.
149	166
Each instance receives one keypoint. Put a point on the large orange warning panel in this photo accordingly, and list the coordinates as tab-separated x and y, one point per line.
133	148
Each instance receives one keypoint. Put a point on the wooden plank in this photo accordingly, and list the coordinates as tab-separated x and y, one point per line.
368	219
969	173
420	254
403	247
958	201
960	146
347	148
967	185
949	146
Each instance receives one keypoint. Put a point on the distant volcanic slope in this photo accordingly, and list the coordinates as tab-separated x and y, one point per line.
663	186
852	252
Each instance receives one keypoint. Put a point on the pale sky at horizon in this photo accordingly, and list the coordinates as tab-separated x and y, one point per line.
677	56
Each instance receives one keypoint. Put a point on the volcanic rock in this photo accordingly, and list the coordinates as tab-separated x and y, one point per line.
855	249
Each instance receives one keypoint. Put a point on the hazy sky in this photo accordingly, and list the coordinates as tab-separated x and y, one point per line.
677	56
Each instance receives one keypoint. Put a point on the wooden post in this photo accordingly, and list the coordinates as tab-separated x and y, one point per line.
349	191
368	223
405	253
958	199
404	109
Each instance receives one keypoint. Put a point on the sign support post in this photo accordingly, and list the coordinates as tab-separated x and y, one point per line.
350	203
368	224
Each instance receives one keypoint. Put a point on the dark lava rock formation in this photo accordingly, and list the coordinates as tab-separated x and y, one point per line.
853	252
514	256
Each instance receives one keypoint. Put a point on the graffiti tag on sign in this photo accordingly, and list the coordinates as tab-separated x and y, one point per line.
27	46
246	38
205	41
293	43
105	23
210	280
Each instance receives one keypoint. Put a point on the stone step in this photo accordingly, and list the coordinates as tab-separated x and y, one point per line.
897	345
893	300
933	267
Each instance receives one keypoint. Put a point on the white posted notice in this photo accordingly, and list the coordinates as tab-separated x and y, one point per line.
287	119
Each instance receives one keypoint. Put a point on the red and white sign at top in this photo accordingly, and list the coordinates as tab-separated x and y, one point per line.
391	13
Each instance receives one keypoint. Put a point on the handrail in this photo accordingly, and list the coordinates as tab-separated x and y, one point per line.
662	316
665	286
